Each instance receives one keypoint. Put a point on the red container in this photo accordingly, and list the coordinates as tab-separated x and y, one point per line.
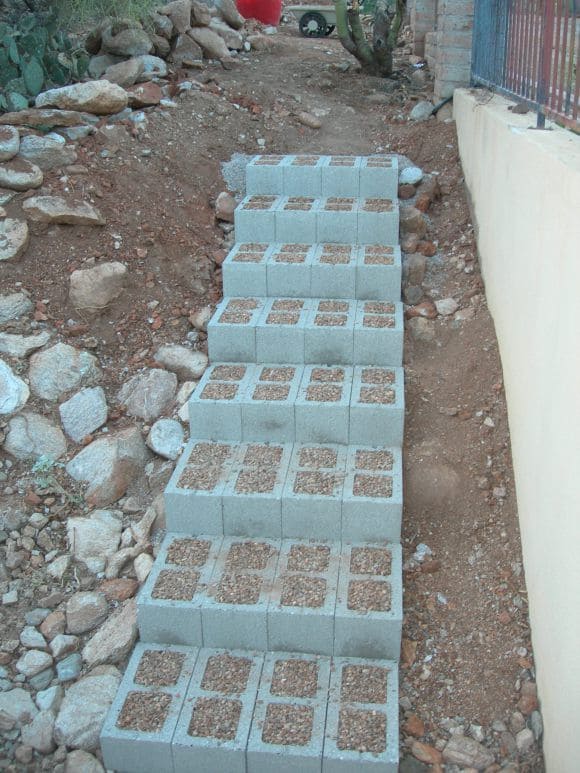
266	11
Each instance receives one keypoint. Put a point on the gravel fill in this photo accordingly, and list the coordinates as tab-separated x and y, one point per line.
144	711
215	718
373	460
287	725
308	558
259	202
249	555
300	591
282	318
268	160
364	684
228	373
377	205
277	374
226	674
298	678
379	307
159	668
333	306
243	304
271	392
377	395
379	161
219	391
202	478
330	320
235	318
248	257
316	483
298	204
379	486
290	257
369	595
188	552
377	376
287	304
334	259
327	374
239	589
342	161
210	453
263	455
376	321
315	458
370	561
305	160
253	247
362	731
176	586
295	248
256	480
324	393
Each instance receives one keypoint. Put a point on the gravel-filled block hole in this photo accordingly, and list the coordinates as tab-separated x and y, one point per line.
271	392
248	555
369	595
282	318
253	247
188	552
330	320
259	456
342	161
287	725
248	257
290	257
303	248
305	160
380	162
378	486
377	376
235	318
362	731
202	478
377	205
228	373
377	395
335	259
288	304
378	259
316	483
256	480
339	204
277	374
219	391
239	589
215	718
242	304
327	374
379	307
268	160
301	591
364	684
226	674
210	453
259	202
299	204
378	321
373	460
333	306
159	668
144	711
297	678
323	393
315	458
367	560
308	558
175	586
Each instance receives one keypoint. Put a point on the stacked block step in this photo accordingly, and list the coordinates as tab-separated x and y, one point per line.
270	624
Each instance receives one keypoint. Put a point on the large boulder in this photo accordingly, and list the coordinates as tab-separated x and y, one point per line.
85	610
179	12
108	465
212	45
14	393
230	14
85	412
57	370
92	289
9	142
13	238
187	364
129	42
148	394
47	152
231	38
99	64
94	539
98	97
56	209
31	435
200	14
83	711
18	174
115	638
124	73
186	52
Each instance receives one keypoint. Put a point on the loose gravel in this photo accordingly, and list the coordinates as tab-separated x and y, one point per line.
144	711
364	684
377	486
176	586
228	373
271	392
315	483
239	589
300	591
362	731
256	480
226	674
277	374
296	678
219	391
315	458
323	393
287	725
188	552
369	595
308	558
370	561
215	718
374	460
249	555
377	395
159	668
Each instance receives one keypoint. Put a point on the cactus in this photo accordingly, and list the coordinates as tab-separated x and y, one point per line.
376	56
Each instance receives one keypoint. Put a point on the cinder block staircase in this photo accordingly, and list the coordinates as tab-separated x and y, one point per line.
270	625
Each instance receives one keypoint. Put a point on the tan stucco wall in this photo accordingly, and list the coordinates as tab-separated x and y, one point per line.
525	189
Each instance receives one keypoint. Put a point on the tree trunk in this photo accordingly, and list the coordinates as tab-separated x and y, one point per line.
375	58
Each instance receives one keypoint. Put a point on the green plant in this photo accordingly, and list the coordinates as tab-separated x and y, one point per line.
79	13
45	480
35	54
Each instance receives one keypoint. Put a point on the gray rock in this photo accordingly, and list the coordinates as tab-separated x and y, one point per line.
33	662
42	118
446	306
82	762
95	539
179	12
166	438
57	370
464	751
9	142
14	393
525	740
16	709
187	364
415	266
211	43
20	346
162	25
56	209
148	394
93	289
536	724
230	14
20	175
233	40
69	668
124	73
85	610
115	638
153	66
109	465
99	64
412	294
83	711
50	699
59	567
47	152
186	52
13	238
38	734
63	645
412	175
85	412
31	638
98	97
42	680
200	14
14	306
36	616
129	42
31	436
411	221
421	329
422	111
76	133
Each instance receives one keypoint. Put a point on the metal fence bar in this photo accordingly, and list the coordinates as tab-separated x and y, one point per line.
530	50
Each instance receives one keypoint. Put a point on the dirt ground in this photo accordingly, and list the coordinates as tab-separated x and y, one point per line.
467	645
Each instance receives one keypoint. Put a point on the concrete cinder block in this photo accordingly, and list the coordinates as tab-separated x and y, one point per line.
379	177
334	271
303	175
341	176
215	405
377	406
255	219
371	631
169	611
268	403
244	270
265	174
378	273
338	220
383	717
128	748
280	331
378	221
301	611
378	333
329	332
296	218
322	406
289	270
231	332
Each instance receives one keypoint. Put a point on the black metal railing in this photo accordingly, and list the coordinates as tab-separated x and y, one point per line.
530	50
